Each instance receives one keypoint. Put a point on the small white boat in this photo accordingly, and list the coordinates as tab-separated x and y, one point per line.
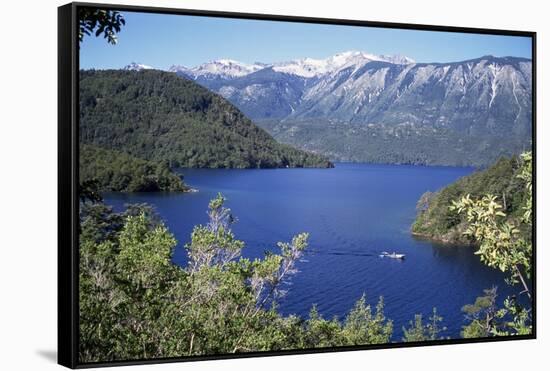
393	255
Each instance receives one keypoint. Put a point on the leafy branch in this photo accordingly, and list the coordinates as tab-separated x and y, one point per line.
99	21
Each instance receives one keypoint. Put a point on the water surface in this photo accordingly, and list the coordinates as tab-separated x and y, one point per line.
352	213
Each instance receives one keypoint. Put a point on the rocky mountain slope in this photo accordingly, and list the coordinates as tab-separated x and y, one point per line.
352	105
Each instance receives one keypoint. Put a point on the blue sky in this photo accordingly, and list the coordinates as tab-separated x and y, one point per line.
163	40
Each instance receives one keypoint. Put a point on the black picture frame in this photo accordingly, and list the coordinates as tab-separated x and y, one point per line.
68	175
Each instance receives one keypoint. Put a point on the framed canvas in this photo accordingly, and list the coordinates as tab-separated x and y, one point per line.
237	185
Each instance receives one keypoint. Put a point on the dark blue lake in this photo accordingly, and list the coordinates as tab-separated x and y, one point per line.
352	213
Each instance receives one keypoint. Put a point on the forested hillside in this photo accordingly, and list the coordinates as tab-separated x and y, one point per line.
120	172
436	221
158	116
387	144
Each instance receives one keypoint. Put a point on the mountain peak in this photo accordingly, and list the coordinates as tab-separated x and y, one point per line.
137	67
227	62
178	68
226	68
398	59
310	67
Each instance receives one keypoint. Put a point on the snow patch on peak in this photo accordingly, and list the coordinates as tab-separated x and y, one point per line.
310	67
398	59
228	62
225	68
495	71
178	68
137	67
305	67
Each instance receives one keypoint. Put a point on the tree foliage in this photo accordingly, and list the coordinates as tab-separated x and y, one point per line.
135	303
390	143
99	22
108	170
158	116
365	326
418	331
436	221
487	319
481	315
502	245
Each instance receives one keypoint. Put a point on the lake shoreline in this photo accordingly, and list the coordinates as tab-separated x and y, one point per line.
352	213
443	241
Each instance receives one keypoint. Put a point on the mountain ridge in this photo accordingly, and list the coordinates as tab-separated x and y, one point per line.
227	67
374	105
198	70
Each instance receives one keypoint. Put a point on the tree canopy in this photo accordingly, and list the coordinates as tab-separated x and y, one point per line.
436	221
99	22
503	246
135	303
116	171
159	116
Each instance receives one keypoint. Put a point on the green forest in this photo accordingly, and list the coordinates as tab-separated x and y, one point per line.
381	143
437	222
158	116
136	304
114	171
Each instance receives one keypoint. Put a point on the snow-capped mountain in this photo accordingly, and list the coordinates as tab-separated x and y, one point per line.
305	67
309	67
355	87
222	68
481	106
275	90
137	67
487	94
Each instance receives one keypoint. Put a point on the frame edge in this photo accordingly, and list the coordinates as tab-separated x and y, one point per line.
68	263
67	295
